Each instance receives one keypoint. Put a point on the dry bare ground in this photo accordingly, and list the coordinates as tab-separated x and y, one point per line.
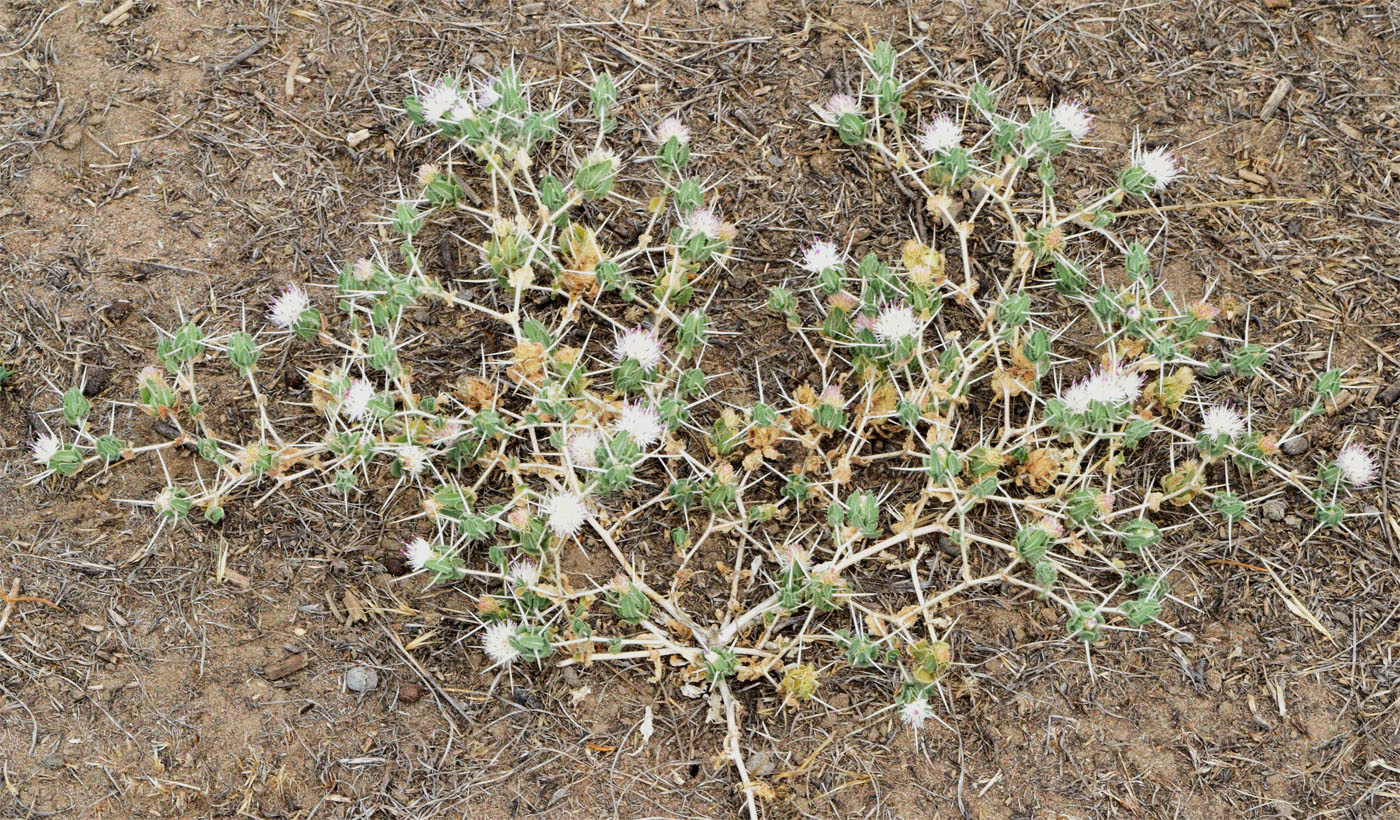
155	154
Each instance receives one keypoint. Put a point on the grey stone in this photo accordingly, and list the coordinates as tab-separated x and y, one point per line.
361	679
1275	509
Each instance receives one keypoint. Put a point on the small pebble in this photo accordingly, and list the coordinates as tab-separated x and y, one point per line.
410	693
361	679
1390	395
1295	446
1275	509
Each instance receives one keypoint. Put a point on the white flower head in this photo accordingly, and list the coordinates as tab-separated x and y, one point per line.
486	94
895	323
1222	420
822	256
672	127
288	307
1072	116
1356	465
496	641
463	110
1159	163
939	134
525	573
838	106
583	448
45	447
439	100
916	712
418	553
565	513
1111	385
703	221
355	405
641	422
415	459
642	344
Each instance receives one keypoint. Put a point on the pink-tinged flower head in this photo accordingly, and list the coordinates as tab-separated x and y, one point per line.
1052	526
672	128
414	459
1073	117
641	422
288	307
915	713
704	222
940	134
641	344
822	256
1356	465
1159	163
838	106
832	396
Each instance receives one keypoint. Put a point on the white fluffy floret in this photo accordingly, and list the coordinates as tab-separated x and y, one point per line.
895	323
1221	420
1356	465
1111	385
642	423
356	402
583	448
670	128
838	106
703	221
916	712
939	134
415	459
1073	117
565	512
1159	163
496	643
418	553
438	101
525	573
642	344
821	256
288	307
45	448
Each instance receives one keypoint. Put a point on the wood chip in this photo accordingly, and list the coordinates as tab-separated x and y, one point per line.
1281	89
236	578
286	666
116	15
353	607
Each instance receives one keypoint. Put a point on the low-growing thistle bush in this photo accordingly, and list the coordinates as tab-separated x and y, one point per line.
1010	401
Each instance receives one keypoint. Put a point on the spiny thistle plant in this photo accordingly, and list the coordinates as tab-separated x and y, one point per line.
1017	390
